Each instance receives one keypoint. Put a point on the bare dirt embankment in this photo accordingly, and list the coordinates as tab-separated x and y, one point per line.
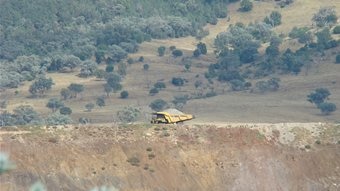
190	157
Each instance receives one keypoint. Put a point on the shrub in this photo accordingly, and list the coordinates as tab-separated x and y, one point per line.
274	19
146	67
177	81
58	119
153	91
318	96
124	94
161	50
89	107
327	108
325	16
177	53
128	114
65	111
336	30
159	85
337	59
158	104
100	101
246	5
54	104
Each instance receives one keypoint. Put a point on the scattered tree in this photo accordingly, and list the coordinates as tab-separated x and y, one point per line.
89	107
336	29
159	85
177	81
246	5
146	67
161	50
318	96
158	105
100	101
325	16
58	119
177	53
54	104
41	85
327	108
337	59
124	94
274	19
25	115
65	111
153	91
128	114
75	89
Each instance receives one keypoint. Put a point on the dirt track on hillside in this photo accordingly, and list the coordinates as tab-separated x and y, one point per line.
190	157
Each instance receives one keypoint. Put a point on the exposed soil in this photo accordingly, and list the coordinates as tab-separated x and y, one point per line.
191	157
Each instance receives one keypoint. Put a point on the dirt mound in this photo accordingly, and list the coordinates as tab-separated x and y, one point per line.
169	157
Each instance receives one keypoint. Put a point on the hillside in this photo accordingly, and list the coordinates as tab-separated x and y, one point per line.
199	157
288	103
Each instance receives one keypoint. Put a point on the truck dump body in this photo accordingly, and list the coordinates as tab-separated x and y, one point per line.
170	116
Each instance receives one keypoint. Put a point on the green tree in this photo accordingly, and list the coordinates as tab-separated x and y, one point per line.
158	104
25	115
159	85
337	59
128	114
65	93
327	108
302	34
124	94
5	163
65	111
246	5
76	89
146	67
89	107
161	50
54	104
274	19
336	30
325	16
177	81
41	85
154	91
100	101
318	96
87	69
108	89
177	53
58	119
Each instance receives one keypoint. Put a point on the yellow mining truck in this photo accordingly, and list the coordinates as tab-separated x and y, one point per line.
170	116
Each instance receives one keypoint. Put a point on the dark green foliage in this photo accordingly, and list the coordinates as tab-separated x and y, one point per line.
272	51
128	114
158	105
161	50
146	67
177	53
124	94
58	119
274	19
100	101
327	108
26	115
75	89
337	59
290	62
324	39
54	104
270	85
100	74
41	85
153	91
65	111
302	34
116	54
130	61
201	49
177	81
325	16
318	96
65	93
336	29
89	107
109	68
172	48
246	5
239	85
180	100
88	68
108	89
159	85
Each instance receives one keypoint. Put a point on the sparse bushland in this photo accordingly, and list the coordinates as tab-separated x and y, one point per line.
303	35
274	19
22	115
58	119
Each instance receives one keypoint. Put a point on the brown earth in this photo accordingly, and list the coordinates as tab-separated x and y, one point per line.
191	157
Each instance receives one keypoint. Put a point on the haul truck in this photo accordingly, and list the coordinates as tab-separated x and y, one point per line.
170	116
